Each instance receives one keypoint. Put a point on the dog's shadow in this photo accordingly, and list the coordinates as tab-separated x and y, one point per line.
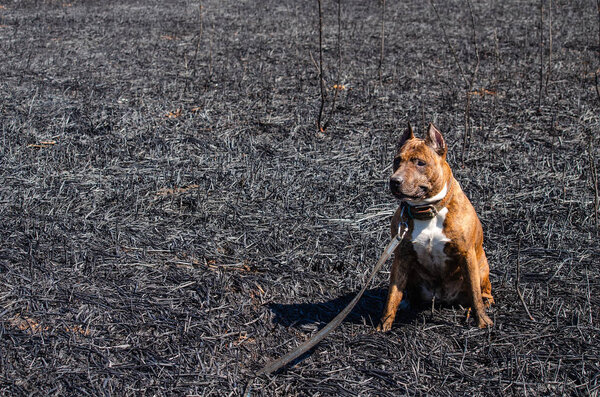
366	312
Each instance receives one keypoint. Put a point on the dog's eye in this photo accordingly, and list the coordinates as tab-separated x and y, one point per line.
420	162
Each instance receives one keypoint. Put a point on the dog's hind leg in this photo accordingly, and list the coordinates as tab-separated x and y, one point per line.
486	285
474	282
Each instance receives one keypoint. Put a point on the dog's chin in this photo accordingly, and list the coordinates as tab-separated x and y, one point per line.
409	198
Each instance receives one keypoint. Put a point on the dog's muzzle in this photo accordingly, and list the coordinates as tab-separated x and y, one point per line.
396	185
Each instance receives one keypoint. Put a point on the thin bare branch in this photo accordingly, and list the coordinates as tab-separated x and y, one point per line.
200	31
339	65
594	177
469	88
517	279
382	48
462	72
541	27
321	80
596	83
549	67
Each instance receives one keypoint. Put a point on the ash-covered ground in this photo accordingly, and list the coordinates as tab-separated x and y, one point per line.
171	219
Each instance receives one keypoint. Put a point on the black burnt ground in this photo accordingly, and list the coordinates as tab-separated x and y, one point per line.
171	220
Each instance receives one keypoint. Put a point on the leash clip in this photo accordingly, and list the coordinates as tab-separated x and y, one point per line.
403	224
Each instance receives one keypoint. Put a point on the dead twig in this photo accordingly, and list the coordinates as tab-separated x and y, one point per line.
588	296
462	72
337	86
541	27
321	80
467	128
382	48
517	281
467	133
210	51
549	67
198	39
468	83
597	89
594	177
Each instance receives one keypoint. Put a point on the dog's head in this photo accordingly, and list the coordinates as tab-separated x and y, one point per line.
420	168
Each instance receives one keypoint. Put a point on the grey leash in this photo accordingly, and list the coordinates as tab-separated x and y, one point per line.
319	336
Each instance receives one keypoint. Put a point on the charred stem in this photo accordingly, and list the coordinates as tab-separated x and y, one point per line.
321	80
517	281
382	47
337	87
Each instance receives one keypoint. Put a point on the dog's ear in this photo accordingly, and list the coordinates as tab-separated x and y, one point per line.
408	134
436	141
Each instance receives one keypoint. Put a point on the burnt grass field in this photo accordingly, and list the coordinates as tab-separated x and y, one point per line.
171	219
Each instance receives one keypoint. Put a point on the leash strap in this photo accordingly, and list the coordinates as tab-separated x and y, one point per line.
319	336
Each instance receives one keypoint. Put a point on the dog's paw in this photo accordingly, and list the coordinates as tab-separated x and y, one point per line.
488	299
484	321
384	326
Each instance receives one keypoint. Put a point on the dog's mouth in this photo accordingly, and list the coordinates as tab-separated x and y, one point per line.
403	196
418	194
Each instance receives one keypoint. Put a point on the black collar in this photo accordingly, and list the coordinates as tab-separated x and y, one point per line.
421	212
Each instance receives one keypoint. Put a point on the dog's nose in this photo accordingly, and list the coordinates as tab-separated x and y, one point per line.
395	183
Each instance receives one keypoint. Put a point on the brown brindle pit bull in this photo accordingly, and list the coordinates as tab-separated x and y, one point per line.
442	255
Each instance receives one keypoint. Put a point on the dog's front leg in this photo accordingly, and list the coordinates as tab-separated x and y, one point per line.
398	277
473	278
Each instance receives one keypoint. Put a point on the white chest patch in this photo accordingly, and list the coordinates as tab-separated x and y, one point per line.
429	240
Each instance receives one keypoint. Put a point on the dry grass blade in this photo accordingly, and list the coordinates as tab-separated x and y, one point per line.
171	191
